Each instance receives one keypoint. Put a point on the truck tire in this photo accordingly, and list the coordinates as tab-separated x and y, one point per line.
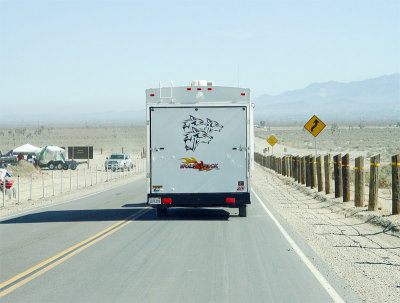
242	211
65	166
73	166
161	212
51	165
59	165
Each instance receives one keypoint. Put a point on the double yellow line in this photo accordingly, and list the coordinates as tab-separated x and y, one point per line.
37	270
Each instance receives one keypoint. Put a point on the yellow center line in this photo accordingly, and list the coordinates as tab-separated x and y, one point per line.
44	266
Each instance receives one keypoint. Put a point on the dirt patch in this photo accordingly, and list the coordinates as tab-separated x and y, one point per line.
23	169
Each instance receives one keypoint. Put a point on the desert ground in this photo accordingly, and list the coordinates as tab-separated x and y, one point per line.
367	140
39	187
104	139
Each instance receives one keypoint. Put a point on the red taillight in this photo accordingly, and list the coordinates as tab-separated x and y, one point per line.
243	94
210	88
167	201
230	200
199	88
189	88
151	95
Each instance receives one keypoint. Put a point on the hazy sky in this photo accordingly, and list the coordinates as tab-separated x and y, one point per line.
100	55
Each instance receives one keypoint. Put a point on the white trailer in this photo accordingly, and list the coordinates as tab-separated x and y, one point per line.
199	146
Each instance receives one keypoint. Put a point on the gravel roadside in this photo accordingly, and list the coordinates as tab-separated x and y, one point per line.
363	249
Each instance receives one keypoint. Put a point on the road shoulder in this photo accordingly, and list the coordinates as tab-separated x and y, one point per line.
366	256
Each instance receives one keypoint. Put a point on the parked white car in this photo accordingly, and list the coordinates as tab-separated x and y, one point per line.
118	162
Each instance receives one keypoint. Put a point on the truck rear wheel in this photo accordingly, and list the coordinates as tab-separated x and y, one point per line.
161	212
51	165
242	211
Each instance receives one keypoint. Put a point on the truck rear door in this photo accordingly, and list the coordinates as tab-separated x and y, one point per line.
198	149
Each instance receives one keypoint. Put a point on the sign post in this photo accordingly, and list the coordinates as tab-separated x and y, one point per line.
314	127
272	141
80	152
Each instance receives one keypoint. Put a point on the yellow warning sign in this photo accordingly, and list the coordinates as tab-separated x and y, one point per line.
272	140
314	126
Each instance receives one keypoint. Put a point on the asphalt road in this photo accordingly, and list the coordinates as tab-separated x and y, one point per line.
109	247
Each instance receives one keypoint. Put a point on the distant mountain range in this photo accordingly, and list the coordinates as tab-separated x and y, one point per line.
373	99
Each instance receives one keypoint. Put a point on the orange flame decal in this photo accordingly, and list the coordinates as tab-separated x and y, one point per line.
200	166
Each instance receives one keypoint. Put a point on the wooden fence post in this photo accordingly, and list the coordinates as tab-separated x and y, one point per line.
291	166
313	172
273	163
279	165
346	177
328	173
337	169
395	185
308	172
284	168
292	161
320	173
359	182
303	170
374	182
298	170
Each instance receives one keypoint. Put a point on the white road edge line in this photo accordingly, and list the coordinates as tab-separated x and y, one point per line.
325	284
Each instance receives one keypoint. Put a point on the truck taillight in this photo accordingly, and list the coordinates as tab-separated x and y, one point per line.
189	88
210	88
151	95
167	201
230	200
243	94
199	88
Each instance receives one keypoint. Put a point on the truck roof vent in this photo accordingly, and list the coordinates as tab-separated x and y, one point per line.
210	83
198	83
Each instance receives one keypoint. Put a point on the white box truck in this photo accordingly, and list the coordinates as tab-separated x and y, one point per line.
199	146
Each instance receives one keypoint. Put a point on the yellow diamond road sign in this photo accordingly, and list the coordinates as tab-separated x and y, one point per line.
272	140
314	126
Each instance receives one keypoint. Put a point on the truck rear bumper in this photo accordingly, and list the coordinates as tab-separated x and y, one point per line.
233	200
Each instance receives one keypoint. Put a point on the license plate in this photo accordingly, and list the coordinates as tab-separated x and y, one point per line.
154	200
